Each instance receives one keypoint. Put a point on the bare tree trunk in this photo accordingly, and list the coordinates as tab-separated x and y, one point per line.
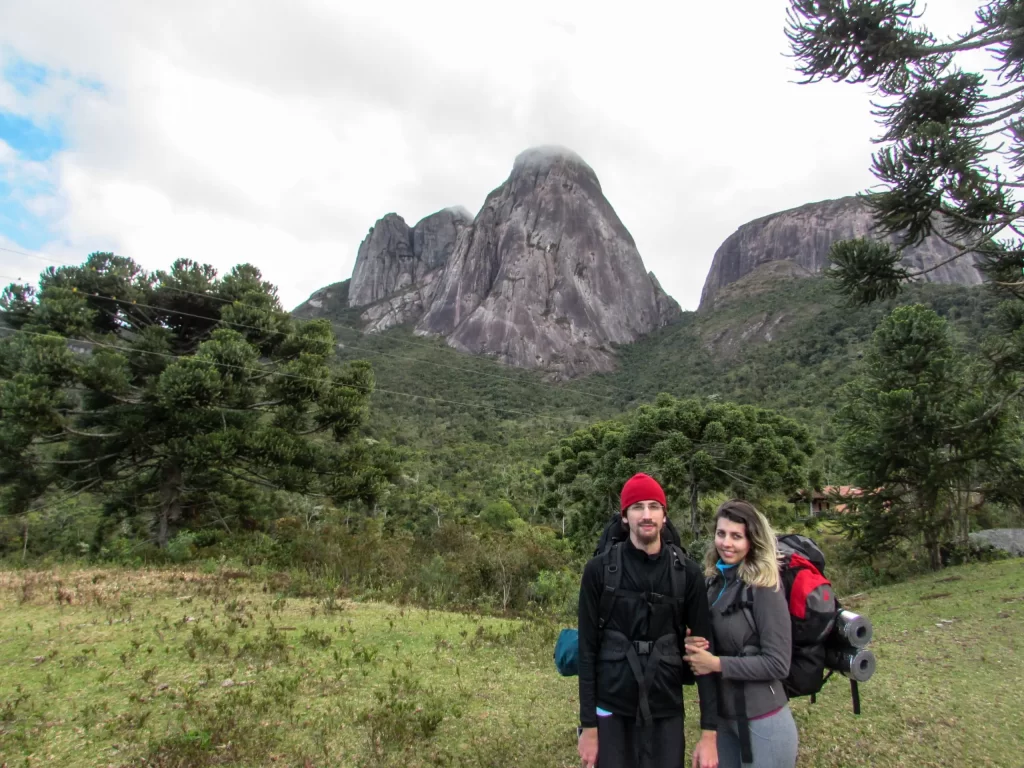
506	585
694	509
24	549
170	503
965	511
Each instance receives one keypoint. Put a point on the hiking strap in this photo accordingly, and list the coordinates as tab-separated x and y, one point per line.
855	693
742	723
744	601
612	578
745	598
677	573
644	677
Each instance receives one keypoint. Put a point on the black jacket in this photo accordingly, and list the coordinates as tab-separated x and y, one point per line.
610	684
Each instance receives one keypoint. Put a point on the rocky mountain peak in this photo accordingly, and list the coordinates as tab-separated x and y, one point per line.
553	159
547	276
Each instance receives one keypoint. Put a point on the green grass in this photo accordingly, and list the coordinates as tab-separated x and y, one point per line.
127	668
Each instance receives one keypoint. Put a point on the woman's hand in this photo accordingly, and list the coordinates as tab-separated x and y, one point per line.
701	661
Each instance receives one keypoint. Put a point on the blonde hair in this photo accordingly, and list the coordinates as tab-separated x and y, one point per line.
760	568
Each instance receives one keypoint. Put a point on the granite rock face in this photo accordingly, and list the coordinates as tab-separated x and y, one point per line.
393	257
804	236
434	236
385	262
547	276
401	308
324	302
668	308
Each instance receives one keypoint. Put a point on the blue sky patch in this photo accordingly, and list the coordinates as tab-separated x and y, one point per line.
25	76
32	141
29	140
26	229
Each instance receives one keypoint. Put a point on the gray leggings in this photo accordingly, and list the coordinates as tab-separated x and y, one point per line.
773	741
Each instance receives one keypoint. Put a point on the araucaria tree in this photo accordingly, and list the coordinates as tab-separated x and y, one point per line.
692	447
174	394
916	437
953	142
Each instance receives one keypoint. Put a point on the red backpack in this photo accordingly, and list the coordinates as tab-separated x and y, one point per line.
813	612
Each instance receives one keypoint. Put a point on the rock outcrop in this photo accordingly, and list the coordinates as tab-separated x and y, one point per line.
804	236
547	276
384	263
434	236
668	308
324	302
1010	540
401	308
394	257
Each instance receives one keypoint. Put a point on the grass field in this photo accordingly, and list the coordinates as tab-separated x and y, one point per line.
181	668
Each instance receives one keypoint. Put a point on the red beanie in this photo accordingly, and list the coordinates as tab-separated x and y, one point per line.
641	487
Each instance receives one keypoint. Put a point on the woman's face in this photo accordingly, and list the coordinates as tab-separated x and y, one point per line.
731	541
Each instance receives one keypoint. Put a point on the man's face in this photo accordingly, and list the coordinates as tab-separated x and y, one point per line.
645	520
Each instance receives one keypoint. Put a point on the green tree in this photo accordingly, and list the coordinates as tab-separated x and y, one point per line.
953	148
166	391
692	446
911	435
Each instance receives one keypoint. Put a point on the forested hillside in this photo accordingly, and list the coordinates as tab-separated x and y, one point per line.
464	515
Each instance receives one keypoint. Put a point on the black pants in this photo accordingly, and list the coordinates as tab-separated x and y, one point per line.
623	744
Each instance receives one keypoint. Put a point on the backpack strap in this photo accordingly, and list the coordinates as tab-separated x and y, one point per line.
612	579
747	604
743	601
677	571
677	574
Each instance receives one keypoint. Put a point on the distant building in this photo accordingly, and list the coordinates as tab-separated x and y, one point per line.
830	500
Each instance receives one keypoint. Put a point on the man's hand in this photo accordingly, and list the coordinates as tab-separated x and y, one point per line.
695	641
588	748
706	753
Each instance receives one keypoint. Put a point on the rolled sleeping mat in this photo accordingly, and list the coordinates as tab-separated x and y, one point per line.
856	663
853	628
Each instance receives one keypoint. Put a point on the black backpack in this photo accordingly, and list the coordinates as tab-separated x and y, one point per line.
609	548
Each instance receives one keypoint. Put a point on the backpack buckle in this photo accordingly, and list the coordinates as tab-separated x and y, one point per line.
643	647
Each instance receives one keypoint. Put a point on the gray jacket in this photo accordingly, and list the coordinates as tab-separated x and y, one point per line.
758	658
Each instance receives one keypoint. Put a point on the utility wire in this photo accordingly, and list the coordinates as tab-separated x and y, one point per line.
338	326
370	390
284	333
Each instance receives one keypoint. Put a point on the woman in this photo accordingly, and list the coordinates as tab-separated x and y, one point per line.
751	626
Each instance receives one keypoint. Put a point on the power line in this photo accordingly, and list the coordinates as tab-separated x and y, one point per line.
297	376
283	333
338	326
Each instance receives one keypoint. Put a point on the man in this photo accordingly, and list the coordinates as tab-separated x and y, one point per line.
630	643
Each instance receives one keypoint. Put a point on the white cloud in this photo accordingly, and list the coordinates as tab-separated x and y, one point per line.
277	133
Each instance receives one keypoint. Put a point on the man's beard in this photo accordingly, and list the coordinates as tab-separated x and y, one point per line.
647	535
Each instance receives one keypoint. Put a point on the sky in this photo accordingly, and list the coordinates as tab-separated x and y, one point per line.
277	133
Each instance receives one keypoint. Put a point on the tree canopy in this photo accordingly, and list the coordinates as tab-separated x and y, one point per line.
177	394
691	446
